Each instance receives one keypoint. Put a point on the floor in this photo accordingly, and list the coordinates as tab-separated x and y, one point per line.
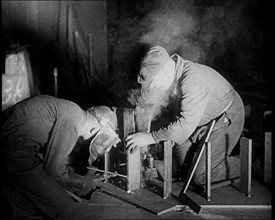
102	205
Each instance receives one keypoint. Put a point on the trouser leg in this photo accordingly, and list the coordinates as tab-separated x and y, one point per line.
223	140
181	158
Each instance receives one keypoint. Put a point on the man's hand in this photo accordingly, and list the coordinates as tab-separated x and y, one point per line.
138	140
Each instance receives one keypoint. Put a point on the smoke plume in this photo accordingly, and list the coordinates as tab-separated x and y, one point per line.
198	33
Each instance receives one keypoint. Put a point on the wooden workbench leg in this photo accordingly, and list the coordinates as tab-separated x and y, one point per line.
268	157
167	188
208	171
246	162
133	160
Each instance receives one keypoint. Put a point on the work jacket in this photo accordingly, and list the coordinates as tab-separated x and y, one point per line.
40	129
201	94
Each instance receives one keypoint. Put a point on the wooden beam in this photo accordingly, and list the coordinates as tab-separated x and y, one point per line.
268	157
208	171
133	160
205	207
167	188
246	162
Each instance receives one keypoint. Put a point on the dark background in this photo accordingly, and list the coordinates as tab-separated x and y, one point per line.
232	36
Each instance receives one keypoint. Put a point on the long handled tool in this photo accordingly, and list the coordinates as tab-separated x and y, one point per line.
182	196
197	159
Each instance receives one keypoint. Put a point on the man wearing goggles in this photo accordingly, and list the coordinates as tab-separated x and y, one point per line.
38	134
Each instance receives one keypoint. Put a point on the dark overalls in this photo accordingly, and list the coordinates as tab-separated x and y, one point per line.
37	136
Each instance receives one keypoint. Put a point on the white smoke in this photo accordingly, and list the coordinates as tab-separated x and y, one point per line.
196	33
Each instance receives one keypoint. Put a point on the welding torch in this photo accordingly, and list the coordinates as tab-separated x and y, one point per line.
112	174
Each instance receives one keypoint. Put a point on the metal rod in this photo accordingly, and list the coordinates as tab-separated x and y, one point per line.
208	171
197	159
103	171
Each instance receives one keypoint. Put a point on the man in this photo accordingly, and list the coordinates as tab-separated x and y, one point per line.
197	94
38	134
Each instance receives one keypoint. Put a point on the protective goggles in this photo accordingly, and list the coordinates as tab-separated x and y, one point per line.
104	140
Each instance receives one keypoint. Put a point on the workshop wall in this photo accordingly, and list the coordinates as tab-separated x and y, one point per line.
68	35
234	37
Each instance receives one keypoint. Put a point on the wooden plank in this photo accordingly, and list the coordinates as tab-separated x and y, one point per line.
205	207
133	160
268	157
141	198
246	162
208	171
250	206
167	188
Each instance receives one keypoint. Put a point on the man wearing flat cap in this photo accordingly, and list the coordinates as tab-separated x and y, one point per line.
198	94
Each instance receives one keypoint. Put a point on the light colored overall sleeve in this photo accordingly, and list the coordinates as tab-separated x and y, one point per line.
195	97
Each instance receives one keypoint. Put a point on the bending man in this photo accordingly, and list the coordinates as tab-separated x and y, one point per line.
196	94
38	134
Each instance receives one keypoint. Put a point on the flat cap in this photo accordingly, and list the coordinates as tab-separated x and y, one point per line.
152	62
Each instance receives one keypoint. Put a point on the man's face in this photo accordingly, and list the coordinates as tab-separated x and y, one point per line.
104	140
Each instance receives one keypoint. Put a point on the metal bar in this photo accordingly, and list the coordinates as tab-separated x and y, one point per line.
268	157
103	171
133	160
75	197
167	188
189	178
246	162
106	164
208	171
